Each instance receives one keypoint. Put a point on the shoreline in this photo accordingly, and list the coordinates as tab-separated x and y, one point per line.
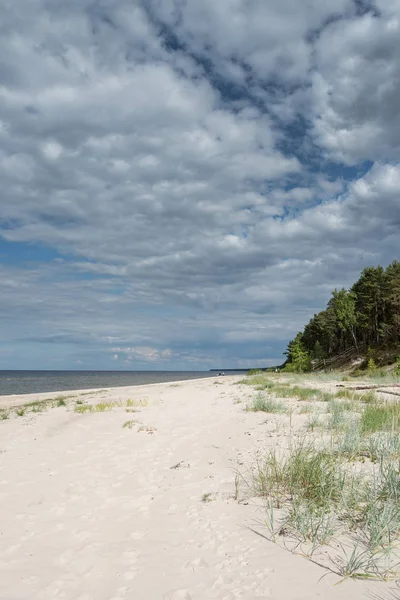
39	396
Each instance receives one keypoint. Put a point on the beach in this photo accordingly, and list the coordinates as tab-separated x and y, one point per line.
136	500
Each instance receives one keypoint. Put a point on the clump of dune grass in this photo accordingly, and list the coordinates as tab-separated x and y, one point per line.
260	381
307	408
315	422
99	407
307	522
304	472
129	424
4	415
130	406
337	413
346	394
300	393
137	403
383	446
380	417
264	404
206	497
83	408
321	497
104	406
39	406
20	412
368	397
351	444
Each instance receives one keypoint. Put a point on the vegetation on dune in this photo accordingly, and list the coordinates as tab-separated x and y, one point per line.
80	406
264	404
332	489
365	316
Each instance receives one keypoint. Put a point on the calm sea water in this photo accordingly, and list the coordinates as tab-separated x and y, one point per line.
30	382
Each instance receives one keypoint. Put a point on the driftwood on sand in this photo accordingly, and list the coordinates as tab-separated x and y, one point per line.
369	387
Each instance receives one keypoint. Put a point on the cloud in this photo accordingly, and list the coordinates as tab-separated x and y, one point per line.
184	183
356	86
144	353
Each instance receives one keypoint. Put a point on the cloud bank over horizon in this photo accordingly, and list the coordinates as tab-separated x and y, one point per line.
185	183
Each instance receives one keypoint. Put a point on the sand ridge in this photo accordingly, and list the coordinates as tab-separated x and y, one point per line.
92	510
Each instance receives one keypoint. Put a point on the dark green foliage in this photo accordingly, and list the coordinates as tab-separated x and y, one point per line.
299	358
367	315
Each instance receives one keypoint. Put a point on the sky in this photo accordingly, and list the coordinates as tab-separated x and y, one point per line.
184	182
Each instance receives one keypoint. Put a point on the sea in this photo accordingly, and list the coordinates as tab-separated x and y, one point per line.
31	382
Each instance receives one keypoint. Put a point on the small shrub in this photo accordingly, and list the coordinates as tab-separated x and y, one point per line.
20	412
397	368
61	402
357	373
372	367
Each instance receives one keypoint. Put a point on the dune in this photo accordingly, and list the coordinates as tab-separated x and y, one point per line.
135	499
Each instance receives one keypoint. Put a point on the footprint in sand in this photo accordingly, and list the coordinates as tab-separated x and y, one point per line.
178	595
129	575
197	563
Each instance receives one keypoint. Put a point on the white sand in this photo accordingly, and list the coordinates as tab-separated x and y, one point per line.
94	511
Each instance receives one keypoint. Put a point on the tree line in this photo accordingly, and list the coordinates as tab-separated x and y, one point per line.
365	316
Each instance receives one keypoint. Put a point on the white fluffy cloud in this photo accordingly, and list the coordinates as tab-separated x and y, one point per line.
357	86
176	176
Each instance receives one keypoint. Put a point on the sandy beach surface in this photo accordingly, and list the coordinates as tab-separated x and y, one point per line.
92	510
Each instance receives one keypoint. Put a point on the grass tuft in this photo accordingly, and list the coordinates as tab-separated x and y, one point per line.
129	424
263	404
83	408
380	417
206	497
